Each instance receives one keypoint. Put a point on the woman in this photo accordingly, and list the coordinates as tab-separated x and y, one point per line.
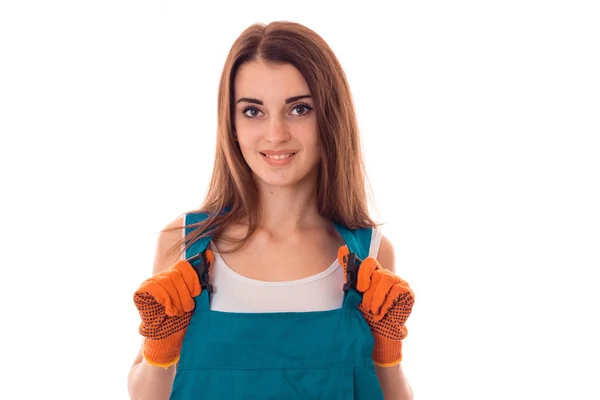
270	298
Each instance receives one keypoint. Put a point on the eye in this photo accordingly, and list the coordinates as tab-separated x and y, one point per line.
302	109
251	112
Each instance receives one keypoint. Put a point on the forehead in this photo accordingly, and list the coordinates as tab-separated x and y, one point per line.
269	81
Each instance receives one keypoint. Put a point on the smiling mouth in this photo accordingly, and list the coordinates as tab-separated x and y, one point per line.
277	156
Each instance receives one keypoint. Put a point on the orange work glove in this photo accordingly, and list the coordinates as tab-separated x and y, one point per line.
386	304
166	303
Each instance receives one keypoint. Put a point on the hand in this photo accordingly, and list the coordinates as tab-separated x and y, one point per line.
165	303
386	305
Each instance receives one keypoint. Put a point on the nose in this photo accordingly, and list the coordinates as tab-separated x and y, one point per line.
277	131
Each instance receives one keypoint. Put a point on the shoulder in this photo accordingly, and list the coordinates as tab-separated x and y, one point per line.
168	244
386	256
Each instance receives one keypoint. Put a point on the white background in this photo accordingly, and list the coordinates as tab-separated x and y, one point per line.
480	124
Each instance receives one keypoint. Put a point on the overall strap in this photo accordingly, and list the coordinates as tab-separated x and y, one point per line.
195	255
199	245
358	242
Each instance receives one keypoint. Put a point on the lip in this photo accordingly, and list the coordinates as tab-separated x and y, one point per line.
277	152
267	154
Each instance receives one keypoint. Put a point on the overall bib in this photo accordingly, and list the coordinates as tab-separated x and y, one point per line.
281	355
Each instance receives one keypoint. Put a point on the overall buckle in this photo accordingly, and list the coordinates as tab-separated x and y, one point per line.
201	269
352	264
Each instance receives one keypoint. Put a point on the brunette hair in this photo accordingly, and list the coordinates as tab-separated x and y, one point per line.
341	192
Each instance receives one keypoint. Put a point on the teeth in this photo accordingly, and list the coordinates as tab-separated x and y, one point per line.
280	157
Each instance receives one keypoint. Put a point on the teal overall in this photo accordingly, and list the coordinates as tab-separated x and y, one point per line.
282	355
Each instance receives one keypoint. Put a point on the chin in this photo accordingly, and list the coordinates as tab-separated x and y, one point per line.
277	180
274	182
287	176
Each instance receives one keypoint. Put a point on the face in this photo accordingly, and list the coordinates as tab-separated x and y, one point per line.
275	123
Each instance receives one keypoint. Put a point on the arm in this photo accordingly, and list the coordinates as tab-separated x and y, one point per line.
392	379
146	381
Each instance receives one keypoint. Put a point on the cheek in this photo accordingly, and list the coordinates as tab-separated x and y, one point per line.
308	133
314	141
247	134
247	147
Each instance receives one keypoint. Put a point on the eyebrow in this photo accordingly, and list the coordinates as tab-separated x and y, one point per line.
259	102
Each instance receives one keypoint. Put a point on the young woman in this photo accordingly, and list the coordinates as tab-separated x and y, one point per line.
285	287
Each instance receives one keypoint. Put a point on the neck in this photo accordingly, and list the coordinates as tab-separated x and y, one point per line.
287	209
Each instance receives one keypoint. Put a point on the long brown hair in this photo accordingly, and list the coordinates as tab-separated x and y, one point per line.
341	193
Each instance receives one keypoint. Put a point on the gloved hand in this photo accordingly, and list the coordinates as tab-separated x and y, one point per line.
166	303
386	304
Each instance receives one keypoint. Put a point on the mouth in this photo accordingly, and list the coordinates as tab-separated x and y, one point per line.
277	156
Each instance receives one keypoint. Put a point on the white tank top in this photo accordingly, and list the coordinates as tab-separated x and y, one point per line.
237	293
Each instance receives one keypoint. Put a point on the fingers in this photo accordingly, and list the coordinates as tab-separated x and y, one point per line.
174	306
343	253
183	287
399	302
189	276
387	290
368	280
151	312
365	272
210	257
382	287
174	288
155	287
